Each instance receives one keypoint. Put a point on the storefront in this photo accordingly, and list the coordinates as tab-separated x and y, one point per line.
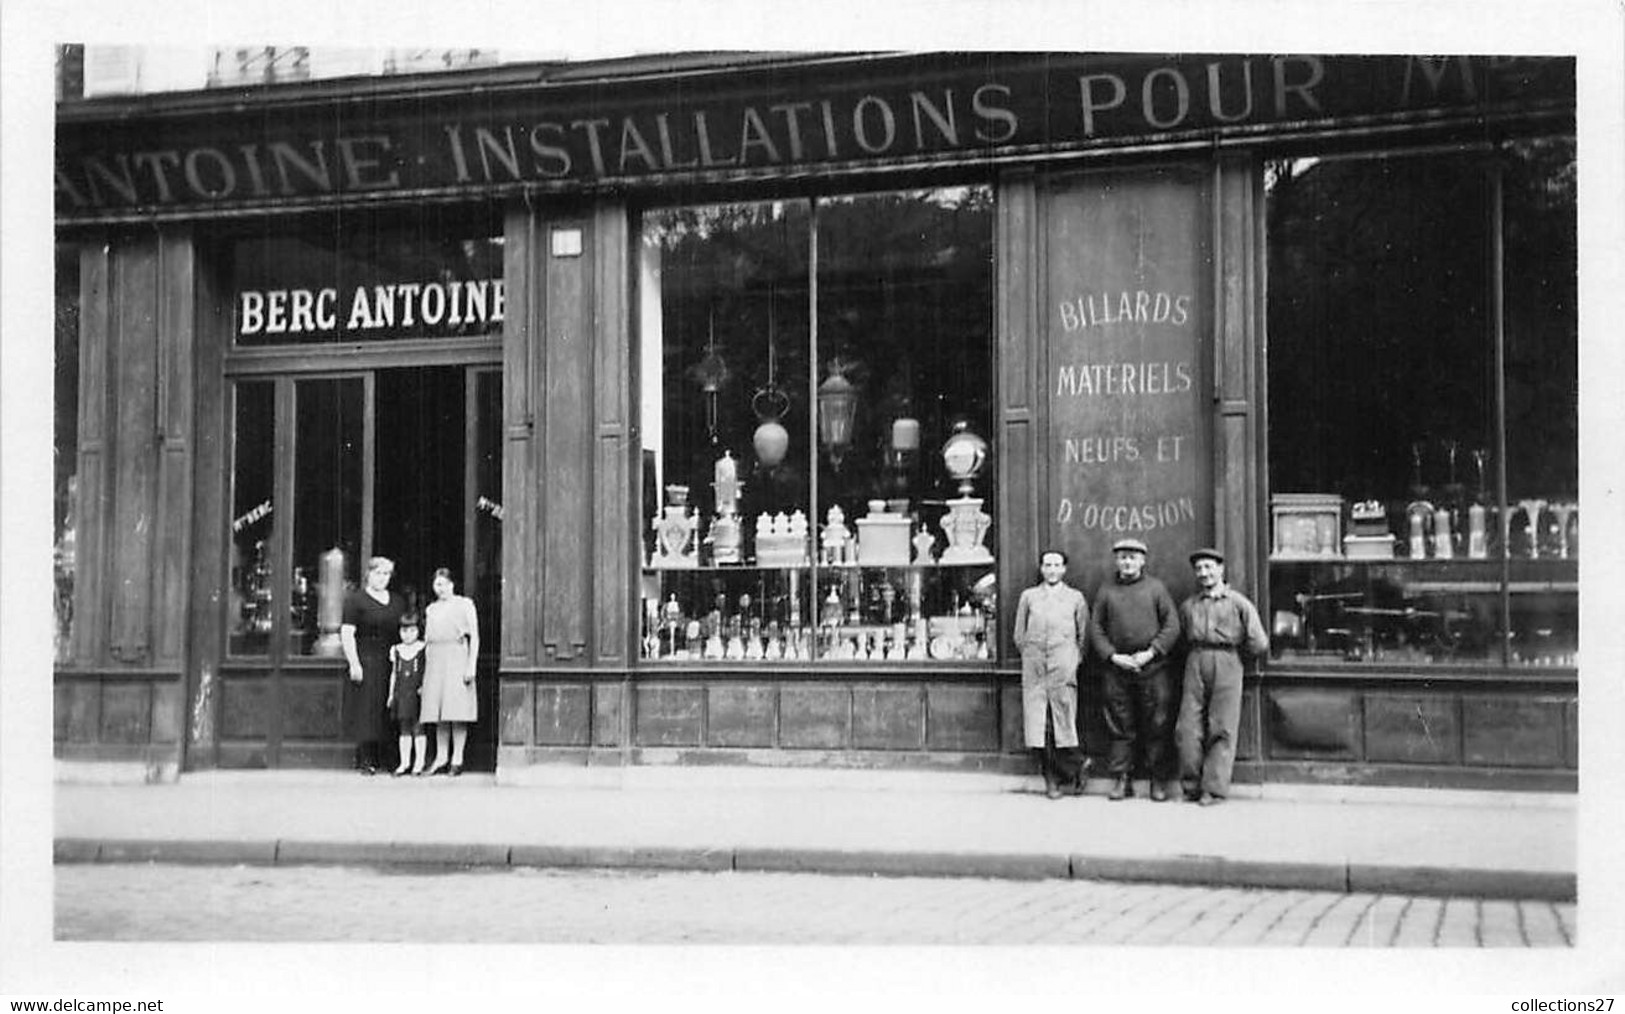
742	393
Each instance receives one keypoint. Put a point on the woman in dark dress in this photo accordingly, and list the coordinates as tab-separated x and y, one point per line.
371	624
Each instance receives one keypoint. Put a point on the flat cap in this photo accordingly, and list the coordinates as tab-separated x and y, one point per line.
1130	545
1207	553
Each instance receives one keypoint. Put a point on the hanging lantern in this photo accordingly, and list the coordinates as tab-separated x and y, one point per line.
771	439
837	413
711	372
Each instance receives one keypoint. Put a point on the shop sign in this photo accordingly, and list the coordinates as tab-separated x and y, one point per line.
1128	322
404	308
842	113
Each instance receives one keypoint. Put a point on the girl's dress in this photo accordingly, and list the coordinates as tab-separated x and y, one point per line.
408	687
447	625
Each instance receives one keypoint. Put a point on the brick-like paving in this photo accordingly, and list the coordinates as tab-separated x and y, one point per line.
159	902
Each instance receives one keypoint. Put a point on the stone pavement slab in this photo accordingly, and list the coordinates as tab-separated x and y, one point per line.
890	823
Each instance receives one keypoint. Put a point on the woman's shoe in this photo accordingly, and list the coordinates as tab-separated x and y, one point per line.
438	769
455	770
417	772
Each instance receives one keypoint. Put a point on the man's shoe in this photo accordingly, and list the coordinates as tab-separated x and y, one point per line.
1052	791
1158	793
1120	789
1209	799
1073	788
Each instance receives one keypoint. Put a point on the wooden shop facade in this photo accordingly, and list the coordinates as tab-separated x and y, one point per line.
742	391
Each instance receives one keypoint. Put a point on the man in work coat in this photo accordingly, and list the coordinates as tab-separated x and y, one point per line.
1052	625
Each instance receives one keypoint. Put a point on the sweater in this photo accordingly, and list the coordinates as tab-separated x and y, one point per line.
1129	617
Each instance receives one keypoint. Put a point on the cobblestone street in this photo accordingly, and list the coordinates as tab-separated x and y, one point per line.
161	902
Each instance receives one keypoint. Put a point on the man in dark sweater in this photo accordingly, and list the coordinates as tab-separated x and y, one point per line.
1135	627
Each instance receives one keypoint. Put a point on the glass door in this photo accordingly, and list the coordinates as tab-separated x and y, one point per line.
403	462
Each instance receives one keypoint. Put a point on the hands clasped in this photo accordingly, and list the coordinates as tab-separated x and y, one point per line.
1135	662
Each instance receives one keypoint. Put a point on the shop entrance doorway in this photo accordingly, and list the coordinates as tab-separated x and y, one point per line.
398	461
436	500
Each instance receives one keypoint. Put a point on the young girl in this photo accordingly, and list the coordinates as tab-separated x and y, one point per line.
406	661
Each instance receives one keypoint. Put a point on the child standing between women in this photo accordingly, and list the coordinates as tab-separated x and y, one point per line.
406	661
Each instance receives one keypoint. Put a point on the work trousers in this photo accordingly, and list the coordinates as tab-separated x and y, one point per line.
1209	715
1049	694
1060	765
1138	707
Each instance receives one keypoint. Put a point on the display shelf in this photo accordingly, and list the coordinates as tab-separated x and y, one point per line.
1516	613
852	613
1556	563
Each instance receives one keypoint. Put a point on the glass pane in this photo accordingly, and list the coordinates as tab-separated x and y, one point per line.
363	276
66	441
249	619
905	348
1381	410
725	341
327	496
1542	401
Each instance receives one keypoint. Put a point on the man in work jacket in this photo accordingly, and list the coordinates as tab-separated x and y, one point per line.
1133	628
1052	625
1220	623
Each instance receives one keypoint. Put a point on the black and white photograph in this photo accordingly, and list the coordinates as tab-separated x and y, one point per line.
701	503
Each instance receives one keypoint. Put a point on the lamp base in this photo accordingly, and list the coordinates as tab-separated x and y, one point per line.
966	525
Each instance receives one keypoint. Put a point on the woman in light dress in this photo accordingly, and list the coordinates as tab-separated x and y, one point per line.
451	635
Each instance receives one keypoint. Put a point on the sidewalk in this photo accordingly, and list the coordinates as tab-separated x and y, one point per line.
1416	841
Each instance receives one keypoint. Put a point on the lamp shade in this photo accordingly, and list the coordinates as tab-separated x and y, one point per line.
771	440
964	453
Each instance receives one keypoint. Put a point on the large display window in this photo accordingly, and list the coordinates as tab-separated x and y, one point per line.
817	381
1423	408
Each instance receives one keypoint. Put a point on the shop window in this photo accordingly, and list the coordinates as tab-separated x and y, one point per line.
1423	409
431	274
817	381
66	447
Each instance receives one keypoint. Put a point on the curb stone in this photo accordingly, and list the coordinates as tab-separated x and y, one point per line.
904	864
622	857
1185	870
263	853
1213	871
1477	883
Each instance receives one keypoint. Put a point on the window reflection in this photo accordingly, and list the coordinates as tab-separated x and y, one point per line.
250	619
327	493
65	506
1542	401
